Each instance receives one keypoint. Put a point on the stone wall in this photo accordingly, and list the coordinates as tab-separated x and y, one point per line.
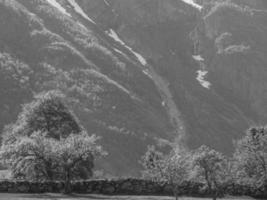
114	187
124	187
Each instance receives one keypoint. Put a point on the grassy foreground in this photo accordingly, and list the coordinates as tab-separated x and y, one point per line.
4	196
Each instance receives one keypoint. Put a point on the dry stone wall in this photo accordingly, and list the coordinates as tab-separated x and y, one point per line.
112	187
125	187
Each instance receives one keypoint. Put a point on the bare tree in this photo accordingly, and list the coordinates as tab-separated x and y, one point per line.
210	166
251	157
171	169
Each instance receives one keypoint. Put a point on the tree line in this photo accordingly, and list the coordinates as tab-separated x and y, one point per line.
247	166
47	142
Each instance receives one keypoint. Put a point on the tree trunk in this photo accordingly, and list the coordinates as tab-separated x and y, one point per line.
67	185
176	195
174	189
214	193
49	173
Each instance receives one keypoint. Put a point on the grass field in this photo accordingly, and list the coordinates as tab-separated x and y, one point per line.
96	197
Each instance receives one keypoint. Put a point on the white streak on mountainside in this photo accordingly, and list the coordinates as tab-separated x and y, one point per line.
79	10
201	74
192	3
115	36
55	4
106	2
198	58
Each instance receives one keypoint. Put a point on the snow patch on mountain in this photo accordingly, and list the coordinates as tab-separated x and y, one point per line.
147	73
141	59
198	58
193	4
55	4
79	10
201	74
115	36
106	2
118	51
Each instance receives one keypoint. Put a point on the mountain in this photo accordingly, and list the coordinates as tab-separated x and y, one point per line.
139	72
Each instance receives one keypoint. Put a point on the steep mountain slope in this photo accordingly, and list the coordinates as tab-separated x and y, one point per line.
139	72
44	47
232	39
164	33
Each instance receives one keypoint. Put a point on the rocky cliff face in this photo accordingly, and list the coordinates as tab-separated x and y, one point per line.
168	35
234	46
139	72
